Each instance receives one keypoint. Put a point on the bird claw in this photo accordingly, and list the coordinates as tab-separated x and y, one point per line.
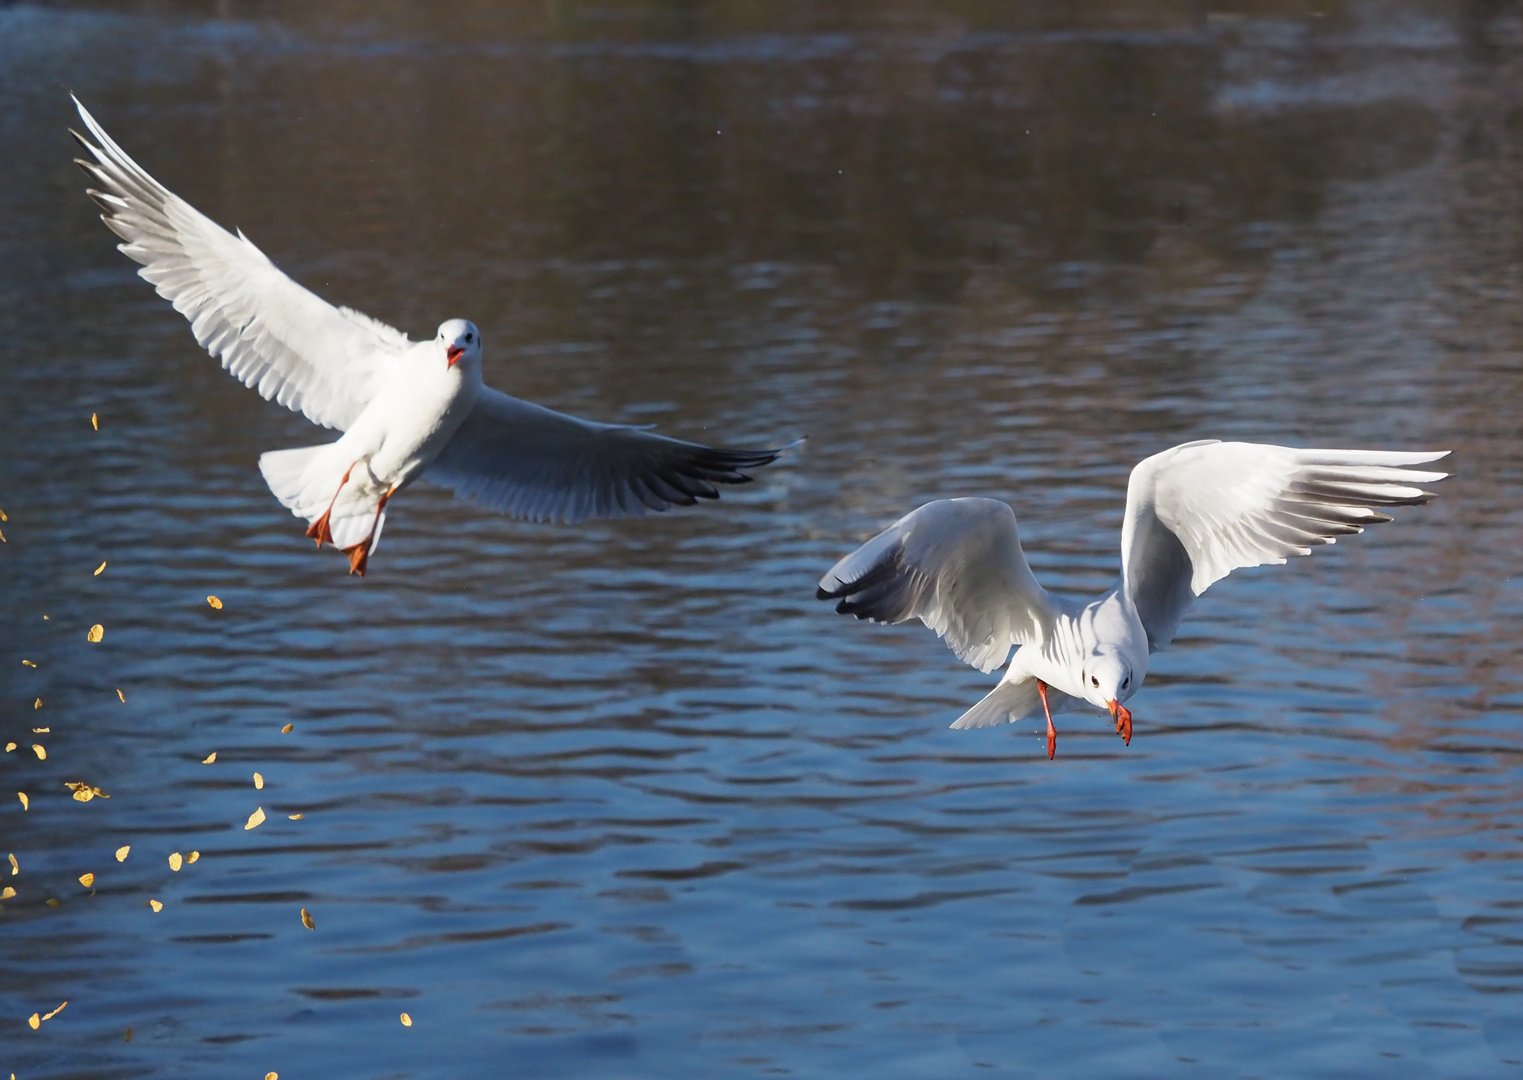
1124	724
319	530
359	556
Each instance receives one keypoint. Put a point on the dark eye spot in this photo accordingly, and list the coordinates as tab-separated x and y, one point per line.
1126	682
467	338
1094	680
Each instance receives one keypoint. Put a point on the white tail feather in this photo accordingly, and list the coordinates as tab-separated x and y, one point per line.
306	479
1009	702
289	473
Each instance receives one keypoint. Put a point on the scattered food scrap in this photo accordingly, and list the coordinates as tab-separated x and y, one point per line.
306	919
156	905
99	568
84	792
26	804
96	633
175	862
406	1020
209	758
121	852
287	729
258	782
87	880
192	857
214	602
256	819
41	751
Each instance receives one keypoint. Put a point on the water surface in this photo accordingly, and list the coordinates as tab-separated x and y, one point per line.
624	800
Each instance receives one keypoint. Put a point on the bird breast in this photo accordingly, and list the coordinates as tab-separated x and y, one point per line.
417	412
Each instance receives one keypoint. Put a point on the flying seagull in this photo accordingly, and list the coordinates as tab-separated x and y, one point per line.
405	407
1194	514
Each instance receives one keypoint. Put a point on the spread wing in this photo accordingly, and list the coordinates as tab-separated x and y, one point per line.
275	336
957	566
1199	511
539	464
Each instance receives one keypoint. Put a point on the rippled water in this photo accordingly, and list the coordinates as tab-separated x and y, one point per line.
624	800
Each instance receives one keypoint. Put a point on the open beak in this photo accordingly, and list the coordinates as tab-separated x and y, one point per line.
452	354
1123	719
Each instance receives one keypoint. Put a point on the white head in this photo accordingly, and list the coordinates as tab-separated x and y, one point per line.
461	342
1109	679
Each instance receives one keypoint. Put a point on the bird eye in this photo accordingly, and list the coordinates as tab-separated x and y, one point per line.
468	339
1094	680
1126	682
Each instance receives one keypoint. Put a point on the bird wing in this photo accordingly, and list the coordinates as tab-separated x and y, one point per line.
957	566
1198	511
532	462
275	336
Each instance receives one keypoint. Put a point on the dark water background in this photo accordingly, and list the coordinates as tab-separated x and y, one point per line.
624	800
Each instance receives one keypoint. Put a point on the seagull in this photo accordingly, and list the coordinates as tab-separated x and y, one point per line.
1194	514
405	407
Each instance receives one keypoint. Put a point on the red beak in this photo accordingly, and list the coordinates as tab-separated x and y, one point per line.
1123	718
452	354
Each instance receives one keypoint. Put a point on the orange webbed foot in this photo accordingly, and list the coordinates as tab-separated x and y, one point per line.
1123	718
359	556
319	531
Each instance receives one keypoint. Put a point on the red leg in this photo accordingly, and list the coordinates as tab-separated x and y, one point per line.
1124	723
1052	732
319	530
359	554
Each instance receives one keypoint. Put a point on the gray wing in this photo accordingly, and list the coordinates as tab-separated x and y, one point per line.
289	344
535	463
957	566
1197	512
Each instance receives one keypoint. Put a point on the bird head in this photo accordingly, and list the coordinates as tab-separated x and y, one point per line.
1108	681
461	342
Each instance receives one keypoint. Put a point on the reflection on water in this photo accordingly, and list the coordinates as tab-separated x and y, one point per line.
624	800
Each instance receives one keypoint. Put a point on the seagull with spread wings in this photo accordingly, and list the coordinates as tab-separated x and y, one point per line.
1194	514
406	408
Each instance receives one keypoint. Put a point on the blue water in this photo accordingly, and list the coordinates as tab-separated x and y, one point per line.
624	800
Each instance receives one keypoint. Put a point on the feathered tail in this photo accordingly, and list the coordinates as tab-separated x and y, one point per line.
306	480
1009	702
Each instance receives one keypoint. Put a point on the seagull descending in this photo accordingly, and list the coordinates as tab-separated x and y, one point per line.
1194	514
404	407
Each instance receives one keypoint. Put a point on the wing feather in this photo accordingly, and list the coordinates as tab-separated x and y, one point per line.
957	566
1197	512
535	463
269	332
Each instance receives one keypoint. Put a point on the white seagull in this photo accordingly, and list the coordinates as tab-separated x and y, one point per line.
1194	514
405	407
